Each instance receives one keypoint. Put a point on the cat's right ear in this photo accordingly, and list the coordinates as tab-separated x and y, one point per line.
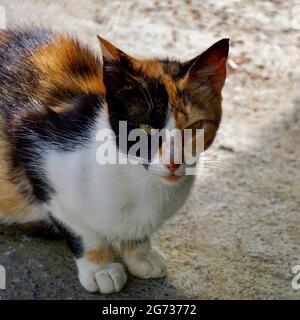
117	67
209	67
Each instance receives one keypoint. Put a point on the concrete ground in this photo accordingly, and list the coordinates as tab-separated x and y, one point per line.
238	236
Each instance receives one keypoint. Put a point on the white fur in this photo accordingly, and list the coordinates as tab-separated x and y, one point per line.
108	203
145	262
105	279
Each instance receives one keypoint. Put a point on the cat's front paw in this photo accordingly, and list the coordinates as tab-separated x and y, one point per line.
108	279
148	265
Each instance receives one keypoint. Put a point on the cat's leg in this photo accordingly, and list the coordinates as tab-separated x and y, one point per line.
142	260
97	270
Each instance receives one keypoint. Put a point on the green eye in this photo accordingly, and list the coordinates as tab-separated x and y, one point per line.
146	128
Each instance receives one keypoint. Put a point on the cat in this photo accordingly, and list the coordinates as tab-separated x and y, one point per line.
55	95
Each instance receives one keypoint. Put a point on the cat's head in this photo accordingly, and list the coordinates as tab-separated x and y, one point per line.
165	94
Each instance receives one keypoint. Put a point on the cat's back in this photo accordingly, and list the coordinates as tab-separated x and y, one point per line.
17	74
41	65
17	80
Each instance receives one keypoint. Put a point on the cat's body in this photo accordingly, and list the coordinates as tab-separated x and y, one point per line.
54	98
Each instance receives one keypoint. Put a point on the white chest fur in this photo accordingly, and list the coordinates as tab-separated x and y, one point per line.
117	201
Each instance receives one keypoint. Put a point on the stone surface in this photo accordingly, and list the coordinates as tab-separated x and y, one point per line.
238	236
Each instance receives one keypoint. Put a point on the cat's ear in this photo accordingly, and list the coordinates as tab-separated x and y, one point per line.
209	67
117	66
112	53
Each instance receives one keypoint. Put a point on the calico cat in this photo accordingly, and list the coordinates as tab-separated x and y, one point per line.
55	95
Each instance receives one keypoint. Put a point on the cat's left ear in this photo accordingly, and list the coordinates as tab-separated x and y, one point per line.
209	67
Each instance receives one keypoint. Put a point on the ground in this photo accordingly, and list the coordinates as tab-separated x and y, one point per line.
238	236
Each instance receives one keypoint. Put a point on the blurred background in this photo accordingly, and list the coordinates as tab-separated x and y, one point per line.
239	234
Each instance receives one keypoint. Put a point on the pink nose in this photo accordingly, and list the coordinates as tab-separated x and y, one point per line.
172	166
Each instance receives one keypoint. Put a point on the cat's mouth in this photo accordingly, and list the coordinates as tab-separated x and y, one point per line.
168	174
172	178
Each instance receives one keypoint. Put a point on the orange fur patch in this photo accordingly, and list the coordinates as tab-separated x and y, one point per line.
12	201
149	67
3	37
154	69
99	256
65	66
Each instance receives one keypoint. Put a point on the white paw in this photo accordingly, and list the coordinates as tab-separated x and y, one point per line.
109	279
146	266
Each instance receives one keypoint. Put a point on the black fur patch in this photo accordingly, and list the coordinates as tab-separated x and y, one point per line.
128	100
175	69
17	75
73	241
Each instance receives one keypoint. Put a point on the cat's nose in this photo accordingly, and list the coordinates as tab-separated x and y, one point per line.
173	166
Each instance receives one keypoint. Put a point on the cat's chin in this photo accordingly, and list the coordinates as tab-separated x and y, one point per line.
170	179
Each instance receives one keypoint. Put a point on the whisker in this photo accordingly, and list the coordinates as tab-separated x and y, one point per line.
151	101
